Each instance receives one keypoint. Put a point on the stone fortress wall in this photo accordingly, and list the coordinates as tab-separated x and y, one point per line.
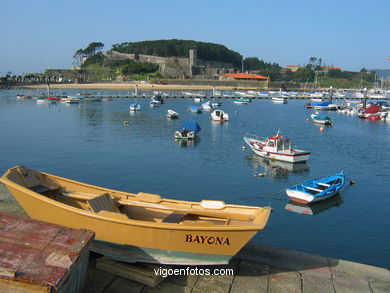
175	67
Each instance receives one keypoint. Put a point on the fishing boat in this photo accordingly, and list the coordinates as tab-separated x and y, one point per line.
195	109
172	114
140	227
187	130
277	148
135	107
219	116
314	190
319	119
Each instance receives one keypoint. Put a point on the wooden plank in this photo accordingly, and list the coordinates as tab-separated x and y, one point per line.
141	273
4	272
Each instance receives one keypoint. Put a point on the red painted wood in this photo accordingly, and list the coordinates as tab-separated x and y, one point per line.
40	253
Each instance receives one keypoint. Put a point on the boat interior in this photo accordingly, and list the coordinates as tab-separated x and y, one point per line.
145	207
318	187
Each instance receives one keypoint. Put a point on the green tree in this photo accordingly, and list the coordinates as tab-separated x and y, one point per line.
303	74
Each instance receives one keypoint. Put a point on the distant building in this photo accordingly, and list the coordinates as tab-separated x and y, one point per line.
293	68
242	76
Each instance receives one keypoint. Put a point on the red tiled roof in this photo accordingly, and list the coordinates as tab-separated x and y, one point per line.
293	66
245	75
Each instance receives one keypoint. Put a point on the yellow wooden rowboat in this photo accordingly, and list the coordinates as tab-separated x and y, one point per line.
138	227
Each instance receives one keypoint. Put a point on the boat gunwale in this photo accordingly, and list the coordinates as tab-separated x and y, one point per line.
160	225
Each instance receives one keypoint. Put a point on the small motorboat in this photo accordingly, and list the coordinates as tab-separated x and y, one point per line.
276	148
279	100
140	227
314	190
70	100
135	107
172	114
219	116
153	103
308	106
325	106
45	101
207	106
158	98
317	118
195	109
240	101
188	130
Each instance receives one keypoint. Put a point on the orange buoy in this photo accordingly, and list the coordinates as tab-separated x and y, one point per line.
322	129
307	119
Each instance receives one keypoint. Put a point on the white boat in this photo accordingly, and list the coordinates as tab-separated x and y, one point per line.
198	100
276	148
207	106
317	118
45	101
219	116
240	101
135	107
279	100
172	114
70	100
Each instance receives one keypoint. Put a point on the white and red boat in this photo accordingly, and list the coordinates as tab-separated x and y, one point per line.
276	148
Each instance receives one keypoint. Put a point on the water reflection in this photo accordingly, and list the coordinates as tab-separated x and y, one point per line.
274	168
187	142
314	208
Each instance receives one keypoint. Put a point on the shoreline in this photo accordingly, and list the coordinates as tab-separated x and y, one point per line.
130	86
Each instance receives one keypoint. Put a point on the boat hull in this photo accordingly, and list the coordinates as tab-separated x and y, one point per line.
302	197
186	242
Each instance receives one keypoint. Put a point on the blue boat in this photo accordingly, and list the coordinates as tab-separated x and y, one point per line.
195	109
187	130
314	190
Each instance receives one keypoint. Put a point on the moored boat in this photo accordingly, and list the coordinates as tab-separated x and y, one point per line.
314	190
172	114
135	107
240	101
219	116
320	119
279	100
138	227
70	100
195	109
187	130
276	148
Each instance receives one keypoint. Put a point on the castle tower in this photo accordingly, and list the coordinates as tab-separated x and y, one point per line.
192	56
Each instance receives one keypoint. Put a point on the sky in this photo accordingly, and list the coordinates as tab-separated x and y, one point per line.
352	34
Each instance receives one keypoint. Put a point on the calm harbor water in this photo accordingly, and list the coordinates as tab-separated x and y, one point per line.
89	143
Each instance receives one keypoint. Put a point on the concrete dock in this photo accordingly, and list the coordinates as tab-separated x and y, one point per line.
261	268
257	268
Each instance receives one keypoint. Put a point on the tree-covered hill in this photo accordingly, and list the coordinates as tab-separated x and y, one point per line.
180	48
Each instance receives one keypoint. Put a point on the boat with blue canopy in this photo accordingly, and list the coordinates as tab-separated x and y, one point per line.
195	109
314	190
187	130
